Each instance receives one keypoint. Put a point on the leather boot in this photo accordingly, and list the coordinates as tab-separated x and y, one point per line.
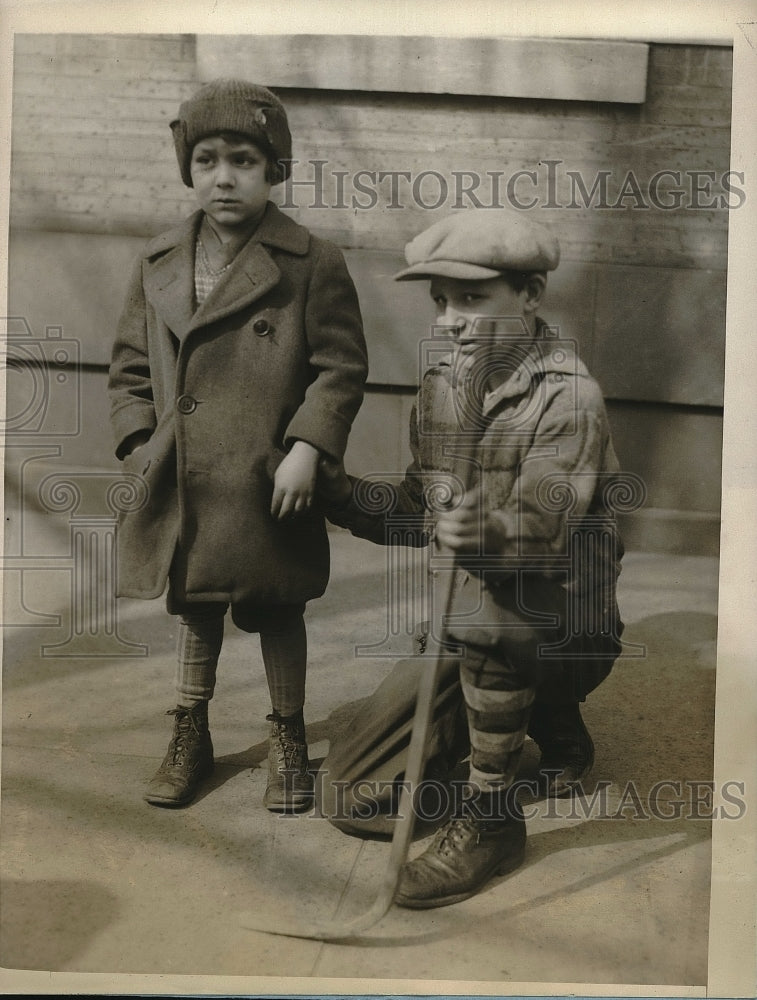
188	761
567	749
290	784
464	854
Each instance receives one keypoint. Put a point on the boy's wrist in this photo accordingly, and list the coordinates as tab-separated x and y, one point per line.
134	441
495	534
334	485
305	450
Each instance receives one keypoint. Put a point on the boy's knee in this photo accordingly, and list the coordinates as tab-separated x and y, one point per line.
359	808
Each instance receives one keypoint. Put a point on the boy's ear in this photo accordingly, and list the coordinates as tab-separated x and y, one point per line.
534	289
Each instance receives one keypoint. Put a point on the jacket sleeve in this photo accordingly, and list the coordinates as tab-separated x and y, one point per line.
132	407
559	476
385	512
338	356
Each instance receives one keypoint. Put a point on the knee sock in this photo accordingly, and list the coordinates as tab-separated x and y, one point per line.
498	706
199	646
285	660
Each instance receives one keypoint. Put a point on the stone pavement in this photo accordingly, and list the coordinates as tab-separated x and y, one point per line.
613	891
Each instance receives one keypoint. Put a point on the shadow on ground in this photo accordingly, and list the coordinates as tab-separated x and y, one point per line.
47	923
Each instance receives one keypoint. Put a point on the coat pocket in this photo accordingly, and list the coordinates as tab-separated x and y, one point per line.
139	460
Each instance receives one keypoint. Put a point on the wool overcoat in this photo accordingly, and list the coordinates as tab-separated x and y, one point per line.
275	354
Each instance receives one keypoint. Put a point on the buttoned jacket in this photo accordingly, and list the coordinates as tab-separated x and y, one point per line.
274	354
548	476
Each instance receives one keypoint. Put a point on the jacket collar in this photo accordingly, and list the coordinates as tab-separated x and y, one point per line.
546	355
169	271
275	230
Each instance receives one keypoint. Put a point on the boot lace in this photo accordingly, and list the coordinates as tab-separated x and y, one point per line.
184	725
457	832
289	745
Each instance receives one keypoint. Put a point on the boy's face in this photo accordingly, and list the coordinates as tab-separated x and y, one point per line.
461	303
229	179
467	307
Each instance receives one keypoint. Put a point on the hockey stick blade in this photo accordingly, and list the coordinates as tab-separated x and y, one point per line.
442	590
345	930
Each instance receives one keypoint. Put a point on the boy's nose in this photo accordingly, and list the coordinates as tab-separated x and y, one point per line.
453	322
224	175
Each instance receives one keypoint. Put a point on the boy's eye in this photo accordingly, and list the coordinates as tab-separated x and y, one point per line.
459	301
246	160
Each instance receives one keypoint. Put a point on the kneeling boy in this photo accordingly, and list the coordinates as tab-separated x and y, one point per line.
536	548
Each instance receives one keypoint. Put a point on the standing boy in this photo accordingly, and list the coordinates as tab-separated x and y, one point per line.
239	361
535	546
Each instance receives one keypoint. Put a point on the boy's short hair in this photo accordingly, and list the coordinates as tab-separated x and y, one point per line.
233	139
238	107
482	243
517	280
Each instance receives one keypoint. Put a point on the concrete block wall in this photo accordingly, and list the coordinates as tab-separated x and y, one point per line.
641	287
92	151
91	147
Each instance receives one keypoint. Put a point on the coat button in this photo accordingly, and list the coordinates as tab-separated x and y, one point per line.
186	404
261	327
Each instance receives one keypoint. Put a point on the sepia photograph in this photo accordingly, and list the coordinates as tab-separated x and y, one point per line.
379	500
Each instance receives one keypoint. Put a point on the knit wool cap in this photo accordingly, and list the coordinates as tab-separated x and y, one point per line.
234	106
479	244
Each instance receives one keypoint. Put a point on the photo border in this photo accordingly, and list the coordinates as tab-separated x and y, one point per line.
732	962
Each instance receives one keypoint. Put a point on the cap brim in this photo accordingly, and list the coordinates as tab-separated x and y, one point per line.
446	269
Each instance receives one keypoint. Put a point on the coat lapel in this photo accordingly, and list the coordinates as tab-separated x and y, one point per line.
169	273
252	274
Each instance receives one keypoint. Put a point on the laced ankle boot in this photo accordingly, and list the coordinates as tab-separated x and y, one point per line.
290	784
486	838
567	749
188	761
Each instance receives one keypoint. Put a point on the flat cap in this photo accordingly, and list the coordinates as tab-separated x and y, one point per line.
480	243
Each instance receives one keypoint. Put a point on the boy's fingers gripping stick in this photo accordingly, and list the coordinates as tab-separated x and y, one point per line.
460	528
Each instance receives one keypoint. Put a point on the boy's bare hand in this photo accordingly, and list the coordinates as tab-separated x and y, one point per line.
468	528
333	482
294	481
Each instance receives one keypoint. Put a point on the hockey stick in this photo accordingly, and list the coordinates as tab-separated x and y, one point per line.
442	590
335	930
